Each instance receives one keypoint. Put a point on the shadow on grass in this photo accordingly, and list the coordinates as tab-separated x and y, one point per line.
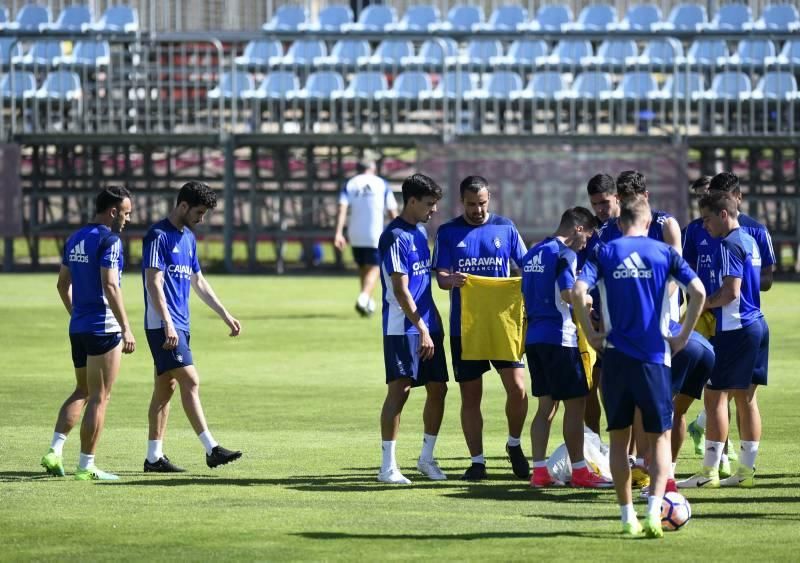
299	316
456	537
15	476
525	493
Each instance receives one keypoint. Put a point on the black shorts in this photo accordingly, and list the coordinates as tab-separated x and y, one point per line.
366	256
166	360
469	370
556	371
400	358
86	344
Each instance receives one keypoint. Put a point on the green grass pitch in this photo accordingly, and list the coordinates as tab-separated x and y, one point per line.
300	393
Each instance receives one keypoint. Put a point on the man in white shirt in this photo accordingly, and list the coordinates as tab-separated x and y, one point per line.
370	200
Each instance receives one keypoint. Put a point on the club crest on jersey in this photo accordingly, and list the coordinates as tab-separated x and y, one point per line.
496	242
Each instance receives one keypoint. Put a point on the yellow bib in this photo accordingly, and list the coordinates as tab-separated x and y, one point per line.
492	319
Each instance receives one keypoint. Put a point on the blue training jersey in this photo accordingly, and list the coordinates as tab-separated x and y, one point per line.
739	256
403	249
632	274
87	250
548	269
174	252
482	250
611	231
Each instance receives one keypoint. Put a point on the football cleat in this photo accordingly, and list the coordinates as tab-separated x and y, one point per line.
583	478
519	463
53	464
541	478
725	468
743	477
430	468
652	526
94	474
698	437
393	476
632	528
221	456
475	472
708	478
162	465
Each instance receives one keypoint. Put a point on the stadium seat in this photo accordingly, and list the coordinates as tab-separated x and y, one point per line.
497	86
567	52
408	85
636	86
30	18
683	85
18	85
640	17
789	55
331	18
729	86
389	52
594	17
685	17
41	53
87	54
61	85
301	53
705	52
417	18
9	48
661	52
346	52
750	52
258	53
542	86
274	86
286	18
522	52
431	52
504	18
117	18
732	16
375	17
452	85
551	17
319	86
232	85
461	18
613	52
589	86
776	86
478	52
363	86
782	17
71	18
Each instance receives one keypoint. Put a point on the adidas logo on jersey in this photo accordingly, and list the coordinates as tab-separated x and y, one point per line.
632	267
704	242
461	244
176	250
78	253
535	264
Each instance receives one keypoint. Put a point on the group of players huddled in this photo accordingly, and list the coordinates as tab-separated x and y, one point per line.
670	314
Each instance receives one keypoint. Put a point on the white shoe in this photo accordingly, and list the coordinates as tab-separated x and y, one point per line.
393	477
430	468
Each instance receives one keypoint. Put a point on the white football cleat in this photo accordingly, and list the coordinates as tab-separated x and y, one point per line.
430	468
393	477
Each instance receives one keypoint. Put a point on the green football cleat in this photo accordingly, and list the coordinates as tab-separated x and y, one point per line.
698	437
94	474
732	455
53	464
744	477
652	526
632	528
725	469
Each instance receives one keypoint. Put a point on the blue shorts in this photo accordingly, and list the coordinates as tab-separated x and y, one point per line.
691	368
469	370
737	353
86	344
166	360
556	371
366	256
762	359
401	360
629	383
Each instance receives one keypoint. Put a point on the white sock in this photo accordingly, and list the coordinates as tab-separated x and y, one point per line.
654	505
387	450
701	419
85	461
57	445
724	458
363	300
747	454
428	442
155	450
208	441
478	459
513	441
627	513
672	467
579	465
713	454
537	464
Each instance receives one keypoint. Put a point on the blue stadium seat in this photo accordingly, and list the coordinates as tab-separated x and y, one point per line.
373	18
594	17
498	86
789	55
346	52
331	18
258	53
504	18
705	52
567	52
301	53
87	54
452	85
286	18
732	16
389	52
522	52
71	18
9	48
363	86
61	85
274	86
542	86
117	18
19	85
590	86
661	52
636	86
41	53
613	52
777	16
729	86
683	85
461	18
685	17
232	86
30	18
776	86
408	85
478	52
417	18
641	17
319	86
431	52
552	17
750	52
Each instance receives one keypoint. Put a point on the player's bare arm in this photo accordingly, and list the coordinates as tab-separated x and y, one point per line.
579	294
64	287
409	307
766	278
338	239
730	290
206	294
694	308
448	280
154	281
109	279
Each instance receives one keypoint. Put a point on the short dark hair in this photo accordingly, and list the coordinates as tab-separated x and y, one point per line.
419	186
725	182
632	210
701	183
578	217
473	184
111	196
197	193
601	184
716	201
631	183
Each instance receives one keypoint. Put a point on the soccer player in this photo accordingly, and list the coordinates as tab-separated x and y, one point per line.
633	273
551	345
170	266
413	338
741	343
99	332
481	243
369	198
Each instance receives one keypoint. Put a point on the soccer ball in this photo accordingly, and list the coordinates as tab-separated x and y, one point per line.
675	511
